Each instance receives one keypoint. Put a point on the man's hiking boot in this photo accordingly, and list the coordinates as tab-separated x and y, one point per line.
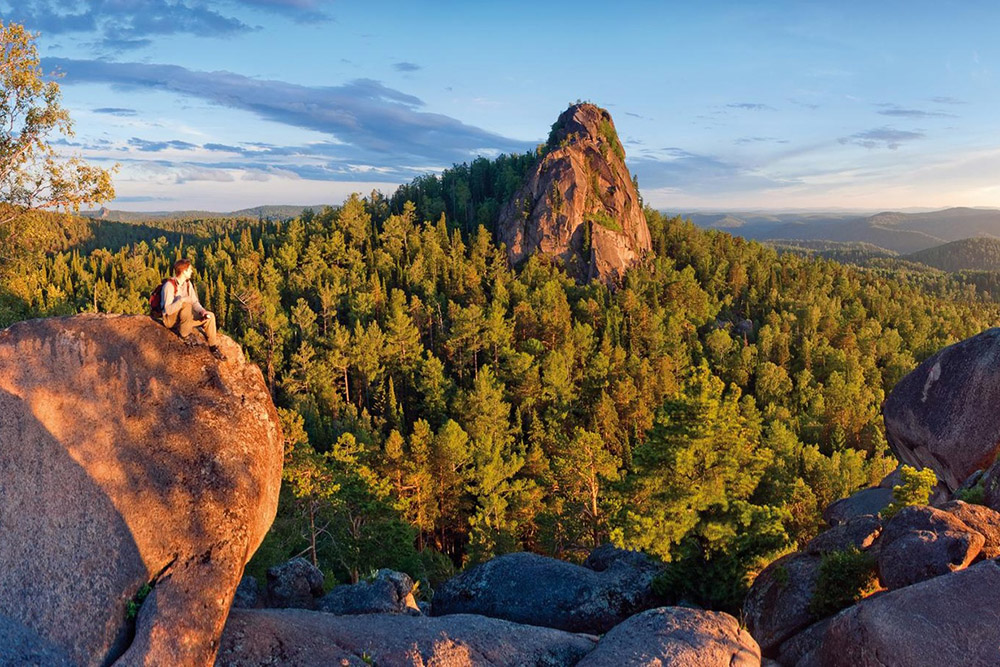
217	353
190	340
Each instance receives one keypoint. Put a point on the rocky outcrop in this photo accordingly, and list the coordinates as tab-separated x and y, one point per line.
943	415
678	637
948	620
579	203
248	594
777	605
20	645
921	542
528	588
981	519
859	532
127	458
294	584
299	638
389	592
869	501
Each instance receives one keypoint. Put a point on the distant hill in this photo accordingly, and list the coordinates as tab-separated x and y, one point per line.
903	233
844	252
268	212
976	254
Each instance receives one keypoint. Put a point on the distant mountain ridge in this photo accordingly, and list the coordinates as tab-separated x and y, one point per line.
902	233
981	253
266	212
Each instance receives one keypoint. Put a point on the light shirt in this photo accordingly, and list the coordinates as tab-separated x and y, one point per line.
174	299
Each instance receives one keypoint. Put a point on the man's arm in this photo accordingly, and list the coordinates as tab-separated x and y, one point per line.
196	307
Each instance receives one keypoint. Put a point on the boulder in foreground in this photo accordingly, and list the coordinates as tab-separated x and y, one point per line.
921	542
677	637
537	590
127	458
299	638
777	605
948	620
943	415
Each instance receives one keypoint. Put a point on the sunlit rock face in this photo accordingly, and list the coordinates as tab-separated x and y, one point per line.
943	415
127	458
579	204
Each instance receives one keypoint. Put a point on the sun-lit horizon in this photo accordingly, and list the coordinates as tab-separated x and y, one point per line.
722	106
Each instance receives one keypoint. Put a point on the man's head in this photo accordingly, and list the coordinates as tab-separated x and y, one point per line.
182	269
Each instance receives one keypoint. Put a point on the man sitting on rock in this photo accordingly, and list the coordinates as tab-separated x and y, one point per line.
182	311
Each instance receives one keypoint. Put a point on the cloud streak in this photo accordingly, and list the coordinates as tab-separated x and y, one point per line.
369	123
881	137
750	106
123	26
897	111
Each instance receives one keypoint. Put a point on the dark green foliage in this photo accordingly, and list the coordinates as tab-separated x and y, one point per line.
605	220
611	137
845	577
132	606
974	495
441	408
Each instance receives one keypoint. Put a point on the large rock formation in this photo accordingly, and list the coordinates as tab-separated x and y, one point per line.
922	542
943	416
389	592
948	620
299	638
677	637
579	203
528	588
777	605
128	458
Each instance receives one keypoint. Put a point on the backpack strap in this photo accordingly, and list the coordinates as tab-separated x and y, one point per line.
163	302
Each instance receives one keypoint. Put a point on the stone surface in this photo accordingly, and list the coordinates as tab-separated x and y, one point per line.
389	592
677	637
299	638
294	584
20	645
533	589
859	532
127	457
795	648
943	415
248	594
921	542
579	203
893	479
777	605
866	501
949	620
981	519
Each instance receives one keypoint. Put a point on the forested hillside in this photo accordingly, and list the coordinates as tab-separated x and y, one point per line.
441	408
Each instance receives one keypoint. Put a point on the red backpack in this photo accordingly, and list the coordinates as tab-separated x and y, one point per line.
156	298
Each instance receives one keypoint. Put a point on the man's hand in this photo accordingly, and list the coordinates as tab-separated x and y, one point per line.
206	316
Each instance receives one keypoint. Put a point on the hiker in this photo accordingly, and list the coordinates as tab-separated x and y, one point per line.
182	311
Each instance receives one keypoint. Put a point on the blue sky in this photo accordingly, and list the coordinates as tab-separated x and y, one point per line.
721	105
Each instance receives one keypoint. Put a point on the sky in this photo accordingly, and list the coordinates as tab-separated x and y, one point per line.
222	105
